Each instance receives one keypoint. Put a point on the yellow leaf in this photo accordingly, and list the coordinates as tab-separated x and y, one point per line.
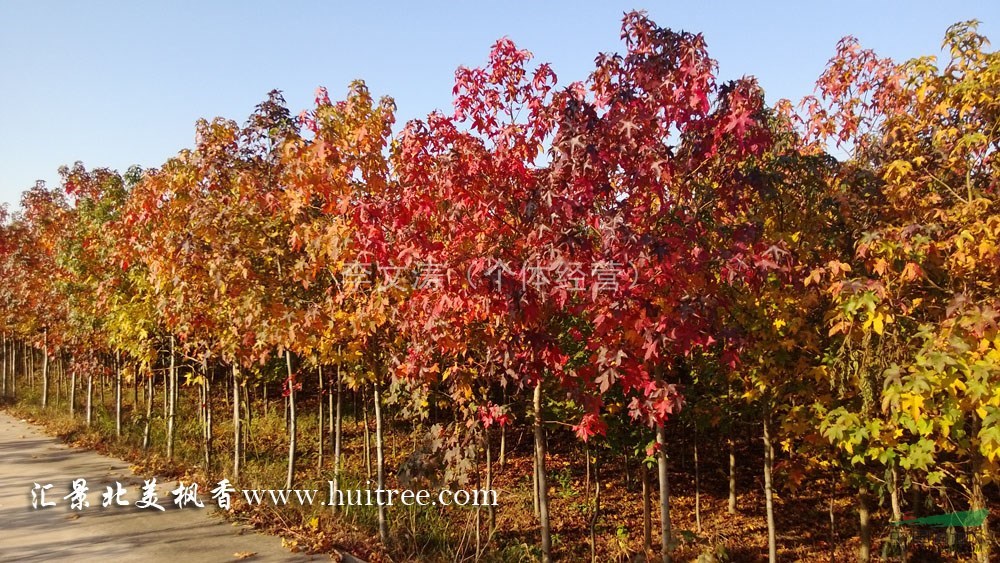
877	324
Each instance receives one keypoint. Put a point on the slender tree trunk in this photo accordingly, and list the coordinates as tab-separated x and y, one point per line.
150	385
337	430
864	521
368	445
322	438
72	393
596	512
3	369
897	509
172	406
90	398
60	379
383	522
206	386
100	387
833	521
772	547
697	485
13	370
647	509
290	479
491	510
543	493
238	426
661	460
983	542
166	397
534	487
732	476
247	418
45	370
503	447
118	396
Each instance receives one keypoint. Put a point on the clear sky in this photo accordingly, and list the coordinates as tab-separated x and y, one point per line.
120	83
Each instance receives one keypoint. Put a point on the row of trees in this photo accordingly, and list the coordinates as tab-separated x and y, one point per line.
627	244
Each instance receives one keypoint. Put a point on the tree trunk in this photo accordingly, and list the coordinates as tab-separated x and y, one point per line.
247	419
45	370
864	521
319	425
238	426
503	447
149	409
368	444
72	393
534	487
172	405
897	509
290	478
596	512
661	460
100	387
206	386
732	476
833	521
118	397
90	398
13	370
772	546
543	493
983	541
697	485
492	513
647	509
383	522
337	430
3	368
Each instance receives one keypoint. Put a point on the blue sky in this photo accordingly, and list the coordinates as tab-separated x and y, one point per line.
117	83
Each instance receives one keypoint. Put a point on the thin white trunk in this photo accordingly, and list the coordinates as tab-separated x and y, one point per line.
290	477
383	522
149	410
90	398
45	371
543	496
772	548
172	405
72	393
647	509
322	438
237	425
732	477
337	431
118	397
697	485
661	461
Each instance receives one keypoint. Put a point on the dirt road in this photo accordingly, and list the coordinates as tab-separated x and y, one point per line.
112	534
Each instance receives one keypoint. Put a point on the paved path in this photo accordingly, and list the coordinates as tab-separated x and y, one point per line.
113	534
